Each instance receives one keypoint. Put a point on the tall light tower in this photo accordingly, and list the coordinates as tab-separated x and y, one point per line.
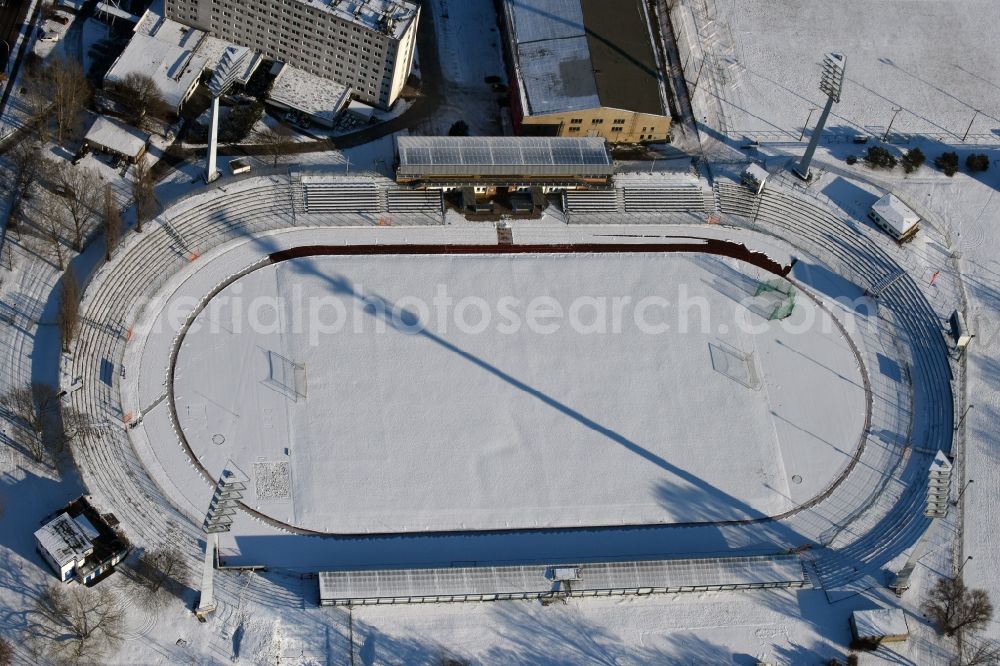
831	84
938	490
236	64
219	518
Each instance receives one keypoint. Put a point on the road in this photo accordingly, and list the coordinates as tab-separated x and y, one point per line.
11	19
11	16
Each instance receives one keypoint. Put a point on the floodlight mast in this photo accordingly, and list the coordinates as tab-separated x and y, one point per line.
831	84
225	75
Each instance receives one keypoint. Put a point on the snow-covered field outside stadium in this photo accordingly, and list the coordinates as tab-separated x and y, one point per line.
456	418
935	61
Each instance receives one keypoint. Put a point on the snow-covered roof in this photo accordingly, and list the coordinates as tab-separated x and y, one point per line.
500	155
896	214
299	90
156	25
557	75
173	65
572	55
757	172
64	540
547	19
344	586
88	527
880	622
390	17
117	136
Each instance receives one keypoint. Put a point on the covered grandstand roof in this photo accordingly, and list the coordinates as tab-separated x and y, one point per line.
539	581
572	55
502	156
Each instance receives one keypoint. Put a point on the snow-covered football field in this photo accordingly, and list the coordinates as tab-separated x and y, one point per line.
398	393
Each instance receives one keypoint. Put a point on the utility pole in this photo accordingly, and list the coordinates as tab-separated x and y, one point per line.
966	135
962	492
831	84
895	112
958	426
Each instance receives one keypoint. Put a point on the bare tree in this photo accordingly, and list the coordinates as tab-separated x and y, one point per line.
59	92
275	143
52	225
953	607
140	98
112	223
6	652
74	425
27	165
79	191
160	574
71	93
142	193
980	652
38	100
30	405
69	308
76	624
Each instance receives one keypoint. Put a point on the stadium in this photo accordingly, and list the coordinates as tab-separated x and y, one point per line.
393	395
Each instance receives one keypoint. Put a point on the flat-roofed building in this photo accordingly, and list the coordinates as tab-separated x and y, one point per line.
79	543
314	98
366	45
166	52
895	217
107	135
585	68
515	163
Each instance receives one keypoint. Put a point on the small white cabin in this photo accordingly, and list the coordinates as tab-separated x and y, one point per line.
959	331
894	217
754	177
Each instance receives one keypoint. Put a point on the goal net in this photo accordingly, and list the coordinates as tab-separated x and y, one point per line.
778	298
286	376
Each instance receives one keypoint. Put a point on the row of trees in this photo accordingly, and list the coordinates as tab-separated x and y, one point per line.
43	427
878	157
70	203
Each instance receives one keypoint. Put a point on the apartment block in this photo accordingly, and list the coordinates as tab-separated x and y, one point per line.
367	45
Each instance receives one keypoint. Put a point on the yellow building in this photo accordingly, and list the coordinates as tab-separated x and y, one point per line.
585	68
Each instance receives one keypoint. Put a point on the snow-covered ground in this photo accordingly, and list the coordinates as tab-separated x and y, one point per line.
294	367
934	61
470	49
262	618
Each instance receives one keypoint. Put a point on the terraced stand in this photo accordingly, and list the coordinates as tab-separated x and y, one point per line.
879	497
896	520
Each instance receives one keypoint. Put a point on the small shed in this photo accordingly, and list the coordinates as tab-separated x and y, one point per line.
116	138
881	625
239	165
959	330
894	217
754	177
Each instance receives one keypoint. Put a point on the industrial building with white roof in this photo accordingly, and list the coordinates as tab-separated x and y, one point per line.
585	68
